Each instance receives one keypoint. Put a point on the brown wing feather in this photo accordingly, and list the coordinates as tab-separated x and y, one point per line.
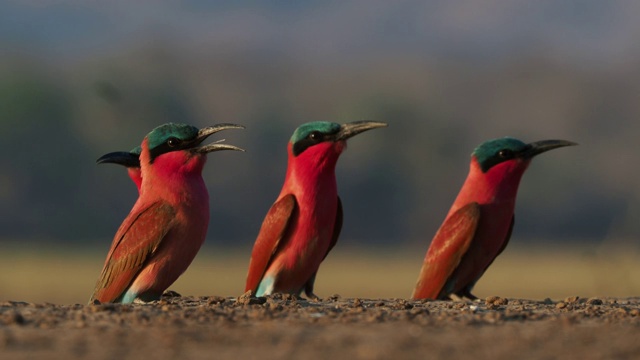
272	230
447	249
137	238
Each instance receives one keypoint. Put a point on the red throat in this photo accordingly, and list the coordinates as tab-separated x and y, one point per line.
315	162
498	184
172	168
136	176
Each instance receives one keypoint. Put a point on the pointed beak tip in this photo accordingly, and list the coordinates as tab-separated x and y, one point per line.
563	143
236	148
354	128
539	147
230	126
226	126
106	158
210	130
217	147
123	158
373	124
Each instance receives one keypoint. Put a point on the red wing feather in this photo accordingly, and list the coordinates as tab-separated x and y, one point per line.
137	238
447	249
273	229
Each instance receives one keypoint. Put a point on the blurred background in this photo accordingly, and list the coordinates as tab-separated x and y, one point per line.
79	79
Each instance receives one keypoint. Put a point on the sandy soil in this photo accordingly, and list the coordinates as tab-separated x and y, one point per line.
287	327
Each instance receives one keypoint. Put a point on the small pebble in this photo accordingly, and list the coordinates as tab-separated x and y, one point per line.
594	301
13	317
572	299
216	300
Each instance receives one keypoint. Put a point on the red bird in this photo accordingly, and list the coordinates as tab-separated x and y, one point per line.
167	225
479	224
304	223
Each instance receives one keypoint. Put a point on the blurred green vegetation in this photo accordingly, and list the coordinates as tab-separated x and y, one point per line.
396	183
70	93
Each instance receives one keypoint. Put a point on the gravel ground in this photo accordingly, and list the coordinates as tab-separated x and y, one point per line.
283	326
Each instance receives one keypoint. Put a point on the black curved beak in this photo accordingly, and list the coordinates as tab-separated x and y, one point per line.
538	147
354	128
126	159
216	146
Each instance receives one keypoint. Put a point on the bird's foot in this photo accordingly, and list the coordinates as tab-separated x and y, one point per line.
462	298
248	298
312	296
170	294
148	297
469	296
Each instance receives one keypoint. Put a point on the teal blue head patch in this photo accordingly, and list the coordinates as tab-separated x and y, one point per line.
170	137
163	133
312	133
493	152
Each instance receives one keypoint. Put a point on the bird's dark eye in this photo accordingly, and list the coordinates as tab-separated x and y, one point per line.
173	142
316	135
505	154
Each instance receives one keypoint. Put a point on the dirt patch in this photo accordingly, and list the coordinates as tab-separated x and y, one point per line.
286	327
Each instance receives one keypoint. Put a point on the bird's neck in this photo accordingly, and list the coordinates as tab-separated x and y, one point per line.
175	177
499	185
314	170
136	176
